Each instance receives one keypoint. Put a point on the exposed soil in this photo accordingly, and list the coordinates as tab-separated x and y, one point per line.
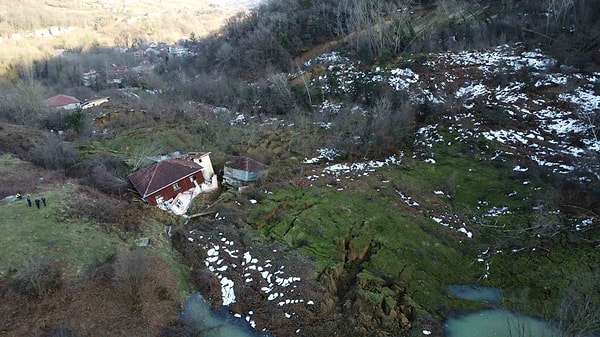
249	297
345	304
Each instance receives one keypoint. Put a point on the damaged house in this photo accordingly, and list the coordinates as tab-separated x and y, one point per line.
172	183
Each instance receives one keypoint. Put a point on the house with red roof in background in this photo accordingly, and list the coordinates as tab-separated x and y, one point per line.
172	183
63	102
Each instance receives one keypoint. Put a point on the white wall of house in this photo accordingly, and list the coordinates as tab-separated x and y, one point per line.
207	168
72	106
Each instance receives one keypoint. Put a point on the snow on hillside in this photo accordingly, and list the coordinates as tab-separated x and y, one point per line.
236	267
544	111
553	105
544	122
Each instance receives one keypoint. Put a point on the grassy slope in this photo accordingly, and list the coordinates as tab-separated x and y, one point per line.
29	233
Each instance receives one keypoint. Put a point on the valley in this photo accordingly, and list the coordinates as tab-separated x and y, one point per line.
393	171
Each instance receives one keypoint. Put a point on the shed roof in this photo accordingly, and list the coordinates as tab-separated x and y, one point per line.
157	176
194	155
245	164
60	100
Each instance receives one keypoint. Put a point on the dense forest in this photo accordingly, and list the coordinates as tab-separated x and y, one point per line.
456	143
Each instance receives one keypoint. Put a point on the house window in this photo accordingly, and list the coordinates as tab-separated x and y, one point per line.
176	186
193	178
178	204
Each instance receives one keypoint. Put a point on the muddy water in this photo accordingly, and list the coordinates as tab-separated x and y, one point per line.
198	315
476	293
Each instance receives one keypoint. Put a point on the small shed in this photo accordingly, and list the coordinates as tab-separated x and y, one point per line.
239	171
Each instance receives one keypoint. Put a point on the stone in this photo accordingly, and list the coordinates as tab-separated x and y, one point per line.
142	242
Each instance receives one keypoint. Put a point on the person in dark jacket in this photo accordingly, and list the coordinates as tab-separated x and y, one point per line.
29	201
44	200
37	202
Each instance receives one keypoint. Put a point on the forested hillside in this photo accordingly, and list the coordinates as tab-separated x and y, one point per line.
33	30
411	146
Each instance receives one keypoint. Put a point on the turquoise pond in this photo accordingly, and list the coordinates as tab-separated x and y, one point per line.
198	316
498	323
495	322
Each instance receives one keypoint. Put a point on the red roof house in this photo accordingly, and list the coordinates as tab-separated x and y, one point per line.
163	181
174	181
63	102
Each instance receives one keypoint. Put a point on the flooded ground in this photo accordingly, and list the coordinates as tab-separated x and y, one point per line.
493	322
498	323
476	293
199	317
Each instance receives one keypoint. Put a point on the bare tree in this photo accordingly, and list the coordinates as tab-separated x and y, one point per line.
224	53
591	118
53	153
38	277
22	103
140	156
579	310
374	27
558	10
281	85
132	270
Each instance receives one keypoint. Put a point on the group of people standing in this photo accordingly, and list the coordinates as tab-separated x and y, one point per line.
38	201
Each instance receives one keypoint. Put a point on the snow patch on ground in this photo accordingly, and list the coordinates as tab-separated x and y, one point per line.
229	264
513	88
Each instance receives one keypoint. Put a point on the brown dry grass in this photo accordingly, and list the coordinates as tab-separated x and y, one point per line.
18	139
17	176
93	306
98	23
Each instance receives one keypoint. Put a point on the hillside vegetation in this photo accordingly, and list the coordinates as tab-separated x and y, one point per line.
411	145
33	30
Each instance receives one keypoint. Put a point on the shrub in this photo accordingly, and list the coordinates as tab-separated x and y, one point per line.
53	153
104	172
109	212
132	269
141	277
39	277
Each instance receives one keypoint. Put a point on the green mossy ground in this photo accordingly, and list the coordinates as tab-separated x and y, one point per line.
318	220
407	245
